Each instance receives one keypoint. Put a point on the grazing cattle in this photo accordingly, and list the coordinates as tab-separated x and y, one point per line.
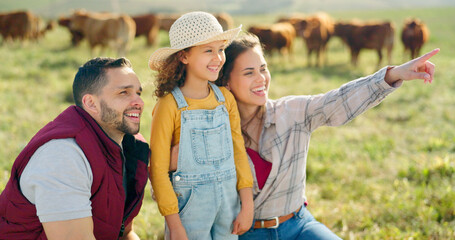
295	22
76	36
316	31
39	29
105	29
166	21
371	35
147	25
414	34
279	36
225	20
18	25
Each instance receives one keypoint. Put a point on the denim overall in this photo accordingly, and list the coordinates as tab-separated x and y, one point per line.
205	181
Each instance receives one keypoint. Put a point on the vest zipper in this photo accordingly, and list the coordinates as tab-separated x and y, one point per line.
122	229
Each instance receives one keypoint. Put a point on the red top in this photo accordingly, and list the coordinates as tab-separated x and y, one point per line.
261	167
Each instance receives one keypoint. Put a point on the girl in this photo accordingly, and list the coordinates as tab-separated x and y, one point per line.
198	197
277	133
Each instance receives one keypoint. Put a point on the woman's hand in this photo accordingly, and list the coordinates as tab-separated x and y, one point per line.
417	68
174	158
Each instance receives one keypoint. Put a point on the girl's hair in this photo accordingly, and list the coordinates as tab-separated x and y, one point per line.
240	45
171	74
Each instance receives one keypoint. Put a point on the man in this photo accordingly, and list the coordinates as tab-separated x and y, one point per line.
83	175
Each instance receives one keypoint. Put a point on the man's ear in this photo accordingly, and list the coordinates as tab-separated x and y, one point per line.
182	57
89	102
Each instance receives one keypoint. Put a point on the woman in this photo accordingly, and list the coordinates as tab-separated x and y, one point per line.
277	133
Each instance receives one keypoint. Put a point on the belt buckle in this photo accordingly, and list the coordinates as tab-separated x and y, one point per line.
277	222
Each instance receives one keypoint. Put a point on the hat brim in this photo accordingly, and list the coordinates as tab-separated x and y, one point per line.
160	55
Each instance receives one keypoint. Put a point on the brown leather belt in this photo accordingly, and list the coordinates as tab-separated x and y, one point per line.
275	221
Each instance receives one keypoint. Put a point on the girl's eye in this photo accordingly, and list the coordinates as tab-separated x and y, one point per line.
208	51
221	50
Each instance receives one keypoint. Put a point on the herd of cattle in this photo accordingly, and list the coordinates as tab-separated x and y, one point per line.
118	31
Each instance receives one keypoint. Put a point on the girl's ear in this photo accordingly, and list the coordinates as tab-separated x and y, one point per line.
182	57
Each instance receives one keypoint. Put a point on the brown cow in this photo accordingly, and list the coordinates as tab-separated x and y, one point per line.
147	25
414	34
105	29
294	20
373	35
16	25
316	31
76	36
279	36
39	29
225	20
166	21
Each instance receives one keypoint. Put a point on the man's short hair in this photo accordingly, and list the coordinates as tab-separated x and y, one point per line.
91	77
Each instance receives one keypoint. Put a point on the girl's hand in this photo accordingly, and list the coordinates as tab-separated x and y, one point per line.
417	68
243	221
176	229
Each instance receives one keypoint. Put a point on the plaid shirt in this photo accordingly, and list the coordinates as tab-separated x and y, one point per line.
285	137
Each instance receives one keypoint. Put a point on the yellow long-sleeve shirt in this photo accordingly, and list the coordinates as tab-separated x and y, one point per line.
166	133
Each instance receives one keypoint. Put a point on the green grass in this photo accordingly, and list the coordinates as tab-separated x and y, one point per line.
388	174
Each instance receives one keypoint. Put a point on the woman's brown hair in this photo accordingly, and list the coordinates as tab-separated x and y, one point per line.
238	46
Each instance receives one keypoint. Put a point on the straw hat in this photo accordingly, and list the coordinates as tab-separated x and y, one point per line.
192	29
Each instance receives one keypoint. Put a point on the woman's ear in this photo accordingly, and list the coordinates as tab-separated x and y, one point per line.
227	86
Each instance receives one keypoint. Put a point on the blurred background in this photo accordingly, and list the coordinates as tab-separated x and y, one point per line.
52	8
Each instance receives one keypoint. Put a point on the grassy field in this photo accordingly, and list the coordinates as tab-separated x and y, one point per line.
389	174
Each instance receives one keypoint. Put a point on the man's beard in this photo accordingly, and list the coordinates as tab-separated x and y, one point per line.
110	116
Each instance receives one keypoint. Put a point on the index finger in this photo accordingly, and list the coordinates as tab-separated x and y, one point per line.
428	55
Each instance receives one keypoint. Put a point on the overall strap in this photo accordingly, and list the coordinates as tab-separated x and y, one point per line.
218	94
179	98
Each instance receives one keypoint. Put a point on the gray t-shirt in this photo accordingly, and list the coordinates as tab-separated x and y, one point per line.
58	180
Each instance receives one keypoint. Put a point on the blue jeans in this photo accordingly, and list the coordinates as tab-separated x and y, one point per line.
301	226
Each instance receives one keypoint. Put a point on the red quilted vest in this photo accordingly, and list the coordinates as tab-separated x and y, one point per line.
111	209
